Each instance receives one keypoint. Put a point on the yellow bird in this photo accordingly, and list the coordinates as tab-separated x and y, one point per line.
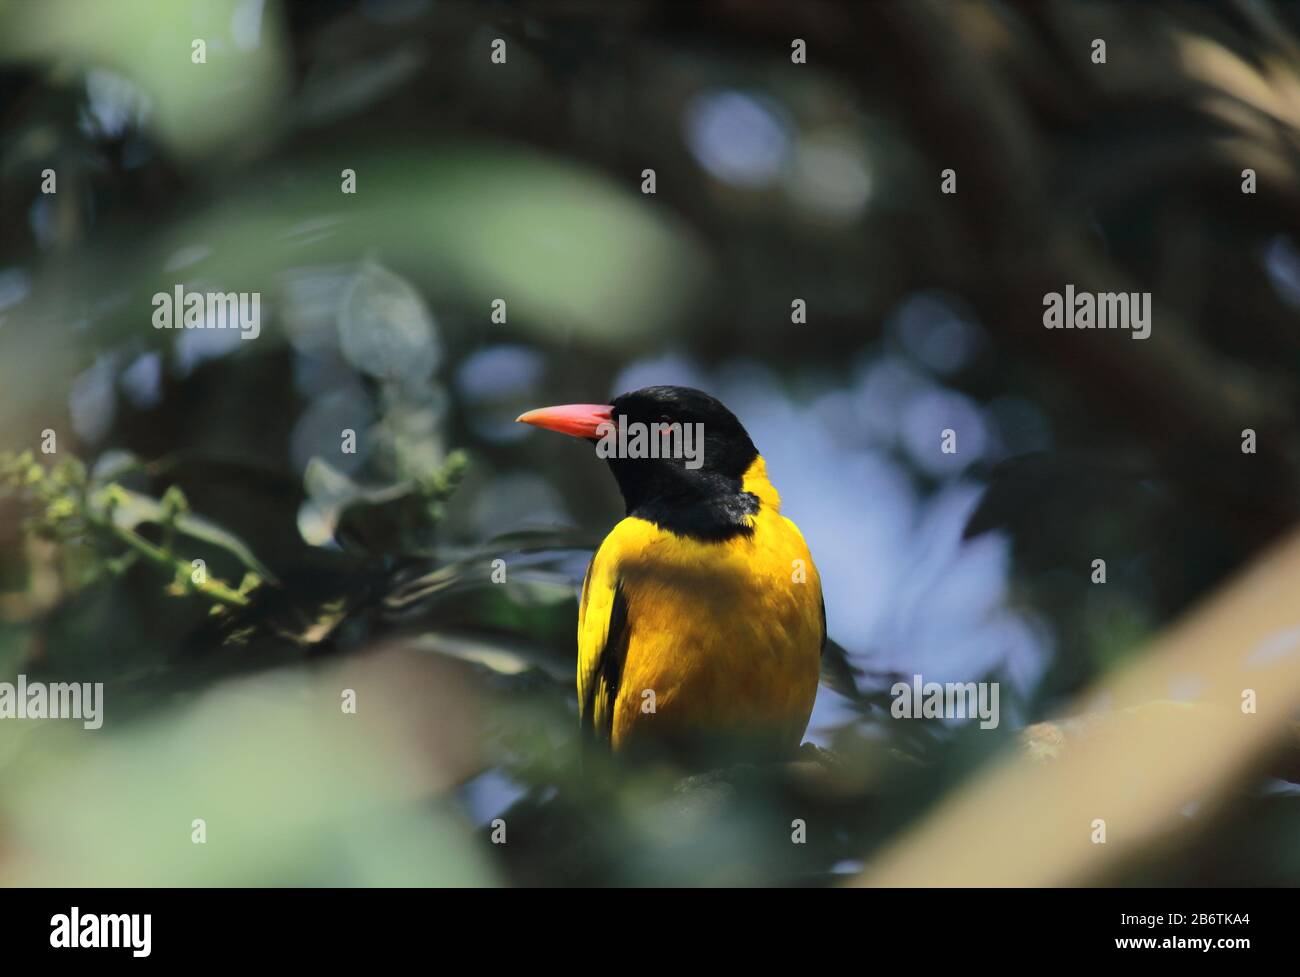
701	619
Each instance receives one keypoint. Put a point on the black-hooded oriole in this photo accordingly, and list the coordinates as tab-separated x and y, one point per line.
701	613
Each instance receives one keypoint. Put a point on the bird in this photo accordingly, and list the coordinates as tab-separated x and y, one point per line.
701	622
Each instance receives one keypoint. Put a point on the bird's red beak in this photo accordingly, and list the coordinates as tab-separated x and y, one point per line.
578	420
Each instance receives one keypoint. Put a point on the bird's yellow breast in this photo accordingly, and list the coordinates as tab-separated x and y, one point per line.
719	636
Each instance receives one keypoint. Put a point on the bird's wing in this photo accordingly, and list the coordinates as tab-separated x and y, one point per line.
602	644
822	599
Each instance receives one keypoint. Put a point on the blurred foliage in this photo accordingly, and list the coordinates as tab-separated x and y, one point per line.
371	570
75	510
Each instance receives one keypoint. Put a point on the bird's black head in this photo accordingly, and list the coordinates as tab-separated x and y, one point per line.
679	456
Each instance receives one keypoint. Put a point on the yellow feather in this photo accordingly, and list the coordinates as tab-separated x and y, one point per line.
726	635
